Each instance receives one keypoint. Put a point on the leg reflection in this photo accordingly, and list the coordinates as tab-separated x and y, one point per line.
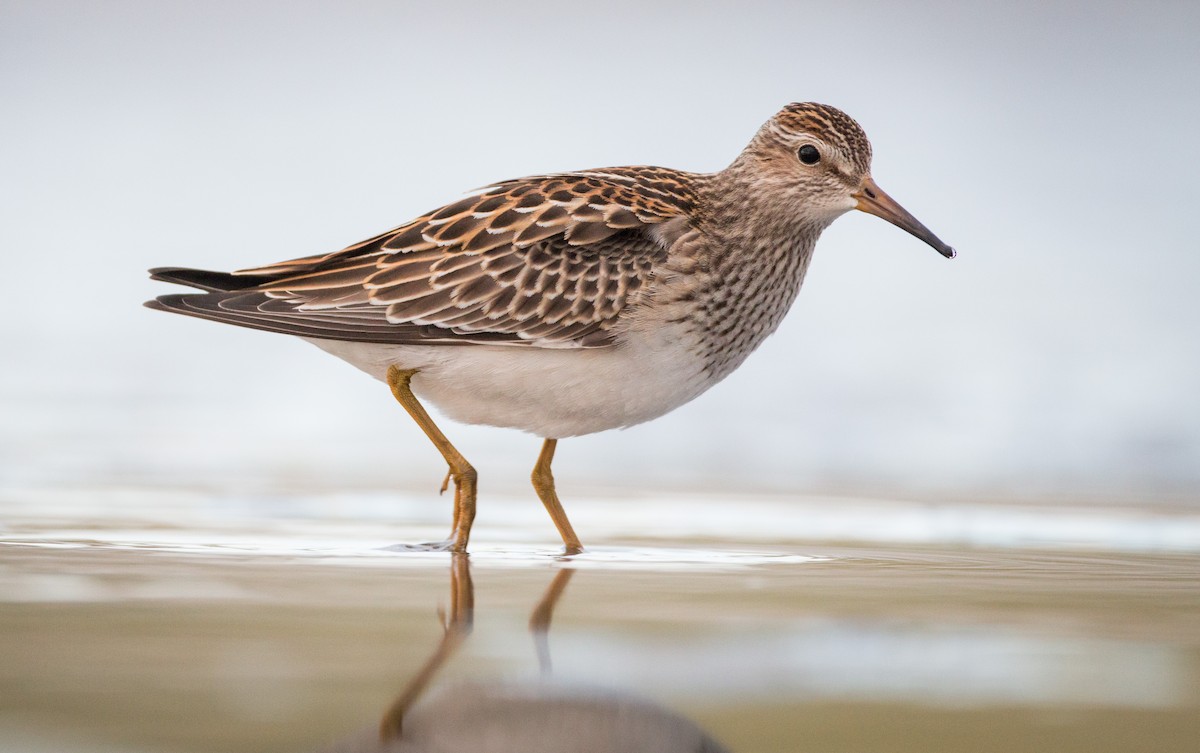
456	627
513	716
539	621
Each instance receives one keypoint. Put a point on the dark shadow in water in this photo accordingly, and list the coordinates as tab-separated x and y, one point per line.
520	717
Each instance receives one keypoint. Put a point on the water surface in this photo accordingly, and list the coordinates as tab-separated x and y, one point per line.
175	620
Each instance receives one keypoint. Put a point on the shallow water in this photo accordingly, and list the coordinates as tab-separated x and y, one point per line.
186	620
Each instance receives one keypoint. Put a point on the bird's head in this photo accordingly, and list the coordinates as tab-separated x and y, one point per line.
820	158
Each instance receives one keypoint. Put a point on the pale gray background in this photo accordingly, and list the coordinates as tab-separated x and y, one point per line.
1055	144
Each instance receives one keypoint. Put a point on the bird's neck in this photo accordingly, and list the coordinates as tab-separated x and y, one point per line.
756	230
748	204
755	252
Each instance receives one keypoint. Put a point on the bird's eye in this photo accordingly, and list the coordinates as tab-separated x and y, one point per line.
808	154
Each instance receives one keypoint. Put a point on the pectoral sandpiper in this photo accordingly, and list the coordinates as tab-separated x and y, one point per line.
570	303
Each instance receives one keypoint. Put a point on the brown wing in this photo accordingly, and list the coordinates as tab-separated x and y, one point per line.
548	260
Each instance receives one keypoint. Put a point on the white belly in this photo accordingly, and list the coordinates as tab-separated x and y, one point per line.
552	393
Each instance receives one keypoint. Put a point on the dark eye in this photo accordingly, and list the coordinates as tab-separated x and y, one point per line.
808	154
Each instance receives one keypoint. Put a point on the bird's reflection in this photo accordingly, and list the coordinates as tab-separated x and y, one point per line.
529	717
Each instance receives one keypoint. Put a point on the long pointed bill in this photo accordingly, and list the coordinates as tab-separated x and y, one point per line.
872	200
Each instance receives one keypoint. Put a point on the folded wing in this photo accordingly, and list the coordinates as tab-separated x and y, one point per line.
548	261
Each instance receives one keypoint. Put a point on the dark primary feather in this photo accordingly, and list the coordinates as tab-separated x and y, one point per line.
206	279
548	260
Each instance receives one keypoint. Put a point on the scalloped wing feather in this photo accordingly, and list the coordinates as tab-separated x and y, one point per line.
550	260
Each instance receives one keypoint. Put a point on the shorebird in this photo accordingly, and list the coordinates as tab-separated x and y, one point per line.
569	303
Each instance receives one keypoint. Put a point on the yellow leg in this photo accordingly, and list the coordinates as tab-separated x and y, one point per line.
461	472
543	484
457	504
